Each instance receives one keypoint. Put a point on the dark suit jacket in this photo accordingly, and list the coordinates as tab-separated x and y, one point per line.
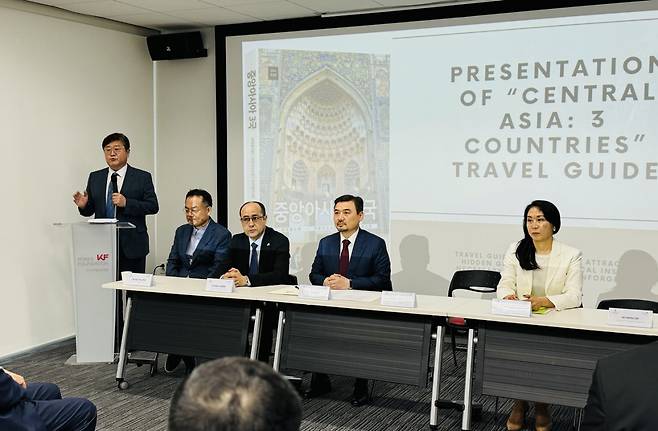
16	413
140	200
370	266
273	260
210	259
624	392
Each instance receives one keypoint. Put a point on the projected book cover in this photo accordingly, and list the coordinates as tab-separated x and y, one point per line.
317	127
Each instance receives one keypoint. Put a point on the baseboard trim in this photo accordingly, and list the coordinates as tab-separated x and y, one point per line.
37	349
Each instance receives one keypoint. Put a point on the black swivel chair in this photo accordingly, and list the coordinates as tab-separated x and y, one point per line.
474	280
633	304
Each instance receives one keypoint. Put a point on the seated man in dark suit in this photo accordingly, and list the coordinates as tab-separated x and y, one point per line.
623	392
235	394
351	258
200	250
260	256
40	407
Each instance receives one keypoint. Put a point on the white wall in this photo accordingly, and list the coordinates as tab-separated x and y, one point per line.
64	86
186	154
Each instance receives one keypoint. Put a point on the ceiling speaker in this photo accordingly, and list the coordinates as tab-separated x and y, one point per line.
175	46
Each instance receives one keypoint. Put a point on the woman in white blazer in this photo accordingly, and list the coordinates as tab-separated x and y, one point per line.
545	272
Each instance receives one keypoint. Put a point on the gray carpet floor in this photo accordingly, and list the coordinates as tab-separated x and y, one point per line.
145	404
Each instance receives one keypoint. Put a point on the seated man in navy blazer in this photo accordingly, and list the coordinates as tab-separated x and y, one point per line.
260	256
40	407
352	258
200	250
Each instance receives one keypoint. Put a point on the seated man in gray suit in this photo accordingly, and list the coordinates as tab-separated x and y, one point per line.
200	250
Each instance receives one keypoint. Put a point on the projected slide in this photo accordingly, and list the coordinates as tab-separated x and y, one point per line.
317	124
449	131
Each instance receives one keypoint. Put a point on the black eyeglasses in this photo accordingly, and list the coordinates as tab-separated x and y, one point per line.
252	218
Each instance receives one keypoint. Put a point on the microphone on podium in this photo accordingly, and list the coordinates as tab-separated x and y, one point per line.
115	189
115	186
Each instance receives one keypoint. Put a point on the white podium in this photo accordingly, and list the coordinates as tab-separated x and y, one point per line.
94	262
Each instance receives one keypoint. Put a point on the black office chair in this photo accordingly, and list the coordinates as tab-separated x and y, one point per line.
272	314
474	280
633	304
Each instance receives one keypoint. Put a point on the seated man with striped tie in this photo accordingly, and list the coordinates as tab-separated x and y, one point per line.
200	250
351	258
259	256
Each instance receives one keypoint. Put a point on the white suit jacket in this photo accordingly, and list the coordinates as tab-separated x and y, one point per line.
564	277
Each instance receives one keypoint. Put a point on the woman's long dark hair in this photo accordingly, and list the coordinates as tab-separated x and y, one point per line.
525	251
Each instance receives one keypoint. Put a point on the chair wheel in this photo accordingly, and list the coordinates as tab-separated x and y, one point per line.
123	385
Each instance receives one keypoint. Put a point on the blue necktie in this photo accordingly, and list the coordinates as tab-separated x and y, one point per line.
109	206
253	262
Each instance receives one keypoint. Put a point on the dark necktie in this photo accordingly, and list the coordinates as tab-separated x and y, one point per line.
344	262
253	262
109	206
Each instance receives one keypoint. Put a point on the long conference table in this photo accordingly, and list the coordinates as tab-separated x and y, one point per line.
547	358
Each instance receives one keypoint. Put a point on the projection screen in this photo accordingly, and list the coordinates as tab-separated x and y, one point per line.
448	129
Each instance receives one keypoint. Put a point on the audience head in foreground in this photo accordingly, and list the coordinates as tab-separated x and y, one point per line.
235	394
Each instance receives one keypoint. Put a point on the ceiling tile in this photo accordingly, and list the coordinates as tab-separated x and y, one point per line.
156	20
213	16
322	6
272	10
393	3
185	13
105	8
236	2
61	2
166	5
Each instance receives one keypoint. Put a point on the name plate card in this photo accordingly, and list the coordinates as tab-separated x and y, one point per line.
314	292
399	299
136	279
508	307
220	285
627	317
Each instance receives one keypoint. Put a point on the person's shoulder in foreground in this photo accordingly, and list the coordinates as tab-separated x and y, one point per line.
623	392
235	394
28	406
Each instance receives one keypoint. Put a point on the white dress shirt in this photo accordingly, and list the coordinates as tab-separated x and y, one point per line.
350	247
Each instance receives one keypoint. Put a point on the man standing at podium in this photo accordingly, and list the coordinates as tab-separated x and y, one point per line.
200	250
352	258
126	194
